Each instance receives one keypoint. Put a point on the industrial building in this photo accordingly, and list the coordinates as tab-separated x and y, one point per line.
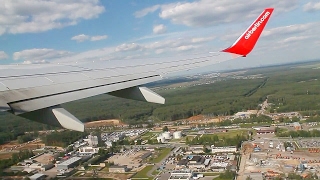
181	175
70	163
118	169
91	140
88	151
37	176
266	131
215	149
177	135
197	162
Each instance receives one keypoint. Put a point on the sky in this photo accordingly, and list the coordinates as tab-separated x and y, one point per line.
45	31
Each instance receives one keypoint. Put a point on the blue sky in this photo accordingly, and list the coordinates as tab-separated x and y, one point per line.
36	31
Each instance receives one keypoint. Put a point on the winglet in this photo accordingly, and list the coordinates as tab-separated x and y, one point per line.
245	43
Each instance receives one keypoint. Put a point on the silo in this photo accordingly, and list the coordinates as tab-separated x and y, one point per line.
166	135
160	139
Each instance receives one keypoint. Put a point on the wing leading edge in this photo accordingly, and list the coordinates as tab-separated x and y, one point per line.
35	92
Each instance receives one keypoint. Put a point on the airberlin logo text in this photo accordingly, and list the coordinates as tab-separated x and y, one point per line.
256	25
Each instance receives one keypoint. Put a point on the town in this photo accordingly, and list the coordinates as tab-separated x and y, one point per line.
194	148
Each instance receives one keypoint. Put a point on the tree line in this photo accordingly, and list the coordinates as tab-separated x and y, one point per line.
15	158
216	141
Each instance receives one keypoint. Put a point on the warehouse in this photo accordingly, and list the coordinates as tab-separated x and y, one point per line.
215	149
118	169
70	163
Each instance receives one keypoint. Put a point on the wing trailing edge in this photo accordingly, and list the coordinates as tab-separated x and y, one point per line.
246	42
55	116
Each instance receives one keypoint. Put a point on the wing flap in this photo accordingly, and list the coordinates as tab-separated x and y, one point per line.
56	116
139	94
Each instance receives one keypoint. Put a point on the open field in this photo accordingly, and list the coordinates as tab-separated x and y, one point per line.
162	154
229	134
110	122
6	150
150	135
143	173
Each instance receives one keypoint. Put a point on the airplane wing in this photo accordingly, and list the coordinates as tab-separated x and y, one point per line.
36	91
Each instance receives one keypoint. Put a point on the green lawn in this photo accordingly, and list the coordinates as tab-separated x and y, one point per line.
143	173
229	134
249	125
149	135
162	154
211	174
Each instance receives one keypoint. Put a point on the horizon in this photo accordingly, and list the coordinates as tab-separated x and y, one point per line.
49	33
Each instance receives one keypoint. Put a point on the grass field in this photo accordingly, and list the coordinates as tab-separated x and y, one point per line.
249	125
143	173
149	135
162	154
229	134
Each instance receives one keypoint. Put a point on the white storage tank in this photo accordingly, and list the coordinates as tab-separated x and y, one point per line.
166	135
177	135
160	139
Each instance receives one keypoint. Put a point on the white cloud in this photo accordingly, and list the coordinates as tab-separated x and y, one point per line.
202	39
185	48
32	16
35	62
98	38
311	6
129	47
3	55
294	39
159	29
39	55
208	12
146	11
80	37
288	30
83	37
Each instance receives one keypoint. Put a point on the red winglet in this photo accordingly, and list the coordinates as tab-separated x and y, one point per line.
248	39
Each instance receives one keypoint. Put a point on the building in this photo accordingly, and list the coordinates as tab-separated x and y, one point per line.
242	115
182	163
215	149
206	162
38	176
196	162
118	169
70	163
296	125
88	151
145	155
266	131
177	135
181	175
91	140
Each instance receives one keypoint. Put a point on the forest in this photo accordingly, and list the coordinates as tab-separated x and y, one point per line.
288	87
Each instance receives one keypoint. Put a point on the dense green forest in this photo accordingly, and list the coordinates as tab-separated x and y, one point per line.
289	88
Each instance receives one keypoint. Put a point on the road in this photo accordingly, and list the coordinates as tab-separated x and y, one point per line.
244	158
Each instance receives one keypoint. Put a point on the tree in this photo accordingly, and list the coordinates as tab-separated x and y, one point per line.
165	129
249	178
